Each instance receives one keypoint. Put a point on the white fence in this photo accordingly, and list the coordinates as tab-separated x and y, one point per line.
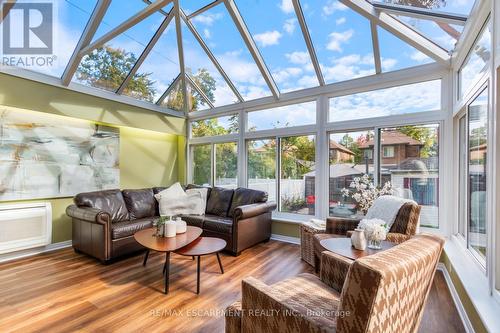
289	187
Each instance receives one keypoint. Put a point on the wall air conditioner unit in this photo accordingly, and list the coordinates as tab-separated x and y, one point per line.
25	226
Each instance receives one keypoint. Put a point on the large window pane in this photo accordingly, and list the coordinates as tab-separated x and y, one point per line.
413	168
350	156
226	165
201	163
261	169
477	62
478	148
412	98
284	116
215	126
297	157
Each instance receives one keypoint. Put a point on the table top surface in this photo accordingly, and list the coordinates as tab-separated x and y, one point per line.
203	246
148	239
343	247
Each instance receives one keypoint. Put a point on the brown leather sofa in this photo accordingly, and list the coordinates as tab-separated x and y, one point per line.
104	222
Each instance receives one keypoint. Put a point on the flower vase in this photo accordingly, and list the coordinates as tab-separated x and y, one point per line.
358	239
375	244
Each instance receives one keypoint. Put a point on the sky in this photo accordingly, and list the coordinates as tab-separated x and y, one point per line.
341	37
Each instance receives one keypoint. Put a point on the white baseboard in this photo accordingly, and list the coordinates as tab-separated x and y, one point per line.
31	252
456	299
286	239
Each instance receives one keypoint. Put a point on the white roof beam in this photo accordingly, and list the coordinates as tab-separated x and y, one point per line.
169	90
198	89
180	49
308	40
376	48
85	39
209	53
160	10
204	9
129	23
252	47
422	13
400	30
146	51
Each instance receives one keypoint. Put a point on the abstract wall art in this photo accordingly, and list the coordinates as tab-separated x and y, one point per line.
48	156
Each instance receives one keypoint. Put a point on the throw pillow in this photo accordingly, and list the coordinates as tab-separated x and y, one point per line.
197	198
172	201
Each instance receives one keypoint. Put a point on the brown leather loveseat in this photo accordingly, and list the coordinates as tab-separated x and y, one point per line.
104	222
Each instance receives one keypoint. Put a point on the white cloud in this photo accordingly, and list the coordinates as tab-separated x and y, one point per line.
419	56
340	21
332	6
289	25
207	33
336	39
284	75
268	38
298	57
286	6
207	19
388	64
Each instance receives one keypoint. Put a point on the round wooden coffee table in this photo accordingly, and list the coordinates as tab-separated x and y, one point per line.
148	239
343	247
201	247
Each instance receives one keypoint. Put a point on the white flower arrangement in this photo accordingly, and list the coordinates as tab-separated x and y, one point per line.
364	192
375	229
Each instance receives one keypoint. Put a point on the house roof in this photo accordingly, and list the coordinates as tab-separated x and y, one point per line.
338	146
393	138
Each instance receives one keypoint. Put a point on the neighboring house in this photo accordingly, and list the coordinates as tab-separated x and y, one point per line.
340	154
396	147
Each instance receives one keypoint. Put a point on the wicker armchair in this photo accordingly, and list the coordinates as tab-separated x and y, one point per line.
405	226
385	292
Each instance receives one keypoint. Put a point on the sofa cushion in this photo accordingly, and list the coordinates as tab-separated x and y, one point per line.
129	228
245	196
109	201
140	203
219	201
192	186
219	224
194	220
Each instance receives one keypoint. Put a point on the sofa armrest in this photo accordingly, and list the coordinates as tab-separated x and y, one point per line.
397	238
247	211
264	309
340	225
334	269
88	214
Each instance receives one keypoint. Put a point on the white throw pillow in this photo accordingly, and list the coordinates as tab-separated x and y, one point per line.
197	198
172	201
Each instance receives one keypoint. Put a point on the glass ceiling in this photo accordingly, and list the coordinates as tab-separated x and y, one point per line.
143	61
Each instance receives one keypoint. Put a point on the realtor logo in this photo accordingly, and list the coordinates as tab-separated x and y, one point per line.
27	28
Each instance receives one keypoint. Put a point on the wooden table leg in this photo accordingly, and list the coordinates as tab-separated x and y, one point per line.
220	263
167	271
198	276
145	258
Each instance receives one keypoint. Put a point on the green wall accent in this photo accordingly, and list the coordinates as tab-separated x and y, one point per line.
474	318
290	229
150	147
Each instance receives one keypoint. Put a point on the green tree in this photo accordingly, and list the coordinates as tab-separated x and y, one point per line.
107	68
426	135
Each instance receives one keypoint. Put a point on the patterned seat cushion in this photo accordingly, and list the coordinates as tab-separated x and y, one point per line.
194	220
219	224
129	228
307	291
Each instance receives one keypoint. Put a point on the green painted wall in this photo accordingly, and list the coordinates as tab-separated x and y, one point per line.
284	228
150	149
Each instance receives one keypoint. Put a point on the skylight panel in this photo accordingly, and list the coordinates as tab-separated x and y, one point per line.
190	6
161	64
175	99
69	20
444	34
221	35
451	6
275	29
342	39
397	54
107	66
204	74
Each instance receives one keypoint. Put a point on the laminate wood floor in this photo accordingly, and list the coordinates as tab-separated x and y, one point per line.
62	291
